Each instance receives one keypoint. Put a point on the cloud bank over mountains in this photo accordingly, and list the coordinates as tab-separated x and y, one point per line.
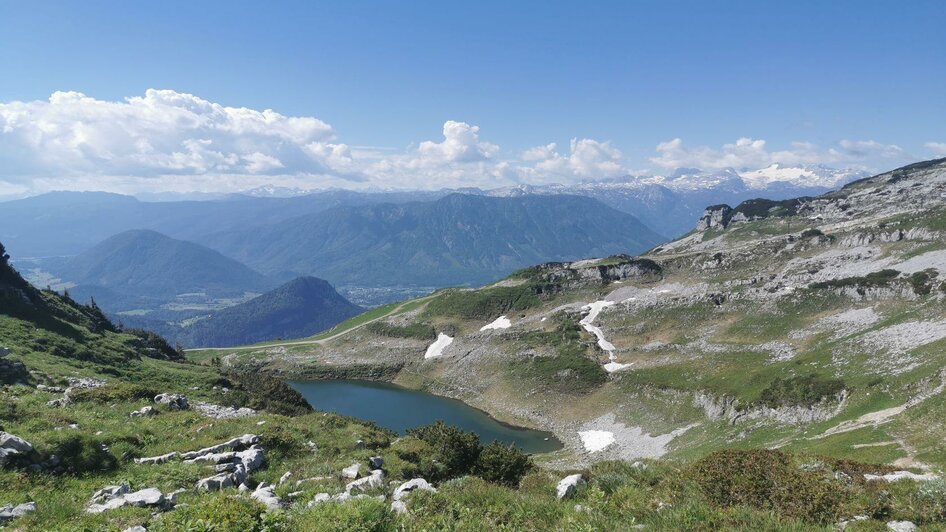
172	141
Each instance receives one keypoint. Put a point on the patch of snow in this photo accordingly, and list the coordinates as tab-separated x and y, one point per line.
596	440
613	366
624	442
501	322
593	310
436	348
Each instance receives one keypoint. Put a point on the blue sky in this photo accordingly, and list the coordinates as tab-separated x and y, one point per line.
843	83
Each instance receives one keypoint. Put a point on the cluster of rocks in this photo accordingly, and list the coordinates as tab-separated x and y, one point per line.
374	480
232	460
112	497
10	512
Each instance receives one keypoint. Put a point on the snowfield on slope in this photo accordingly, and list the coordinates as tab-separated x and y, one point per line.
501	322
436	349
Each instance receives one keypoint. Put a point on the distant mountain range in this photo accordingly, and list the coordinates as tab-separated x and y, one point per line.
458	239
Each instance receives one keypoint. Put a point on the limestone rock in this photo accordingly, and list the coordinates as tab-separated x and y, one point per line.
352	471
375	462
265	493
8	513
145	411
410	486
902	526
569	485
374	480
175	401
222	412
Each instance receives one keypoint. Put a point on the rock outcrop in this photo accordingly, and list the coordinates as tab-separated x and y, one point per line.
11	445
567	487
112	497
714	217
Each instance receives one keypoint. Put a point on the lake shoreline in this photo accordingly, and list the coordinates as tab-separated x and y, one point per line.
450	407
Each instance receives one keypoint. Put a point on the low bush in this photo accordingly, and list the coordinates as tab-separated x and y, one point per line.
419	331
260	391
502	464
803	390
879	279
83	453
456	451
767	480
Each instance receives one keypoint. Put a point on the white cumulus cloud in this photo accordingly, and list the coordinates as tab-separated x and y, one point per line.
938	148
163	132
747	152
586	158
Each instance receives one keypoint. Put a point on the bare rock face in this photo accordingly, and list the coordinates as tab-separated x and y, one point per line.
223	412
374	480
714	217
569	485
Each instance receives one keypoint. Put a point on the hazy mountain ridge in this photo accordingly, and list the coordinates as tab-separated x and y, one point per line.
148	264
458	239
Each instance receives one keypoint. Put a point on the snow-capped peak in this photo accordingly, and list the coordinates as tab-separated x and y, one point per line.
801	176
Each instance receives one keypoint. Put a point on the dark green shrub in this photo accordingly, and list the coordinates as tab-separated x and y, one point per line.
878	279
420	331
803	390
456	451
502	464
922	282
83	453
767	480
809	233
263	392
155	346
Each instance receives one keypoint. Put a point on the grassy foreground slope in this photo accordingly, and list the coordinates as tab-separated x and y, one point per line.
814	325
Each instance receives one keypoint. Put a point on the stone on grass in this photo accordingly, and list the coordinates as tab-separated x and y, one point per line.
175	401
416	484
902	526
352	471
569	485
375	462
144	411
8	513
